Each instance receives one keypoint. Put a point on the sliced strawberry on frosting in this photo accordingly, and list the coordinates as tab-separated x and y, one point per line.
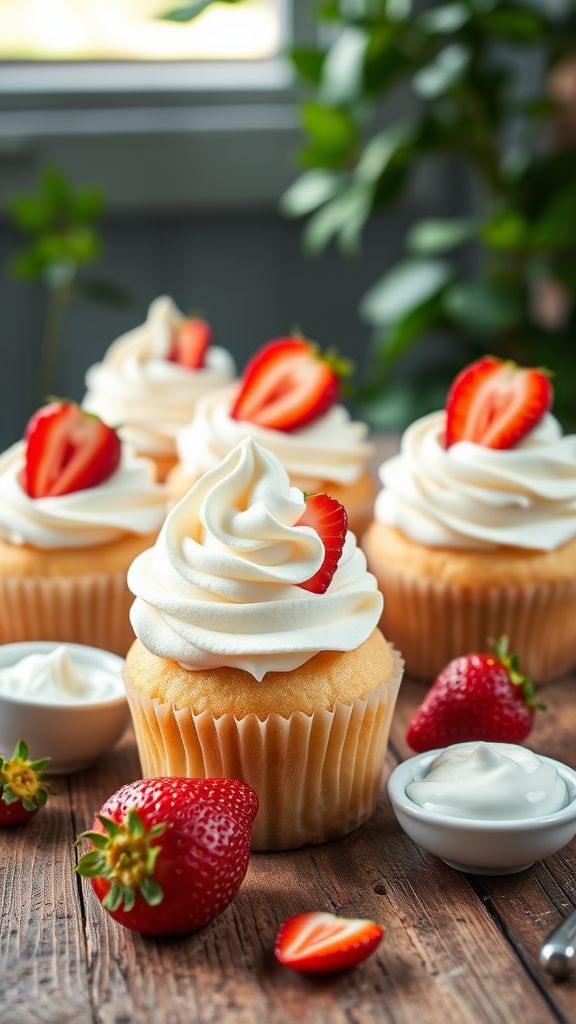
189	342
67	450
319	943
287	384
495	403
330	520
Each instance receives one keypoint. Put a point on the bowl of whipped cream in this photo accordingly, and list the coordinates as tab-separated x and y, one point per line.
485	808
67	701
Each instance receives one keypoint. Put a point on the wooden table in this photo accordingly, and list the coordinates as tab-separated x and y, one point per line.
458	949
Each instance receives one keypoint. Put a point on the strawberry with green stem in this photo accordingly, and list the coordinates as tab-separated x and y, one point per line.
22	786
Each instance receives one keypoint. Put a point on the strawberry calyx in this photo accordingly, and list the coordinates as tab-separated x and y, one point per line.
125	857
21	780
511	663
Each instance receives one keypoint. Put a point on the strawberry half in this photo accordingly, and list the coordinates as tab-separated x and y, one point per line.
169	854
318	943
23	790
476	697
330	520
189	342
287	384
495	403
67	450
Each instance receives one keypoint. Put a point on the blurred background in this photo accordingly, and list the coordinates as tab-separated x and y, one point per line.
396	178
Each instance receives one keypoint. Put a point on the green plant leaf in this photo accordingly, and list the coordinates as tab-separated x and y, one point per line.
311	190
409	329
440	235
29	213
482	306
308	61
505	231
86	205
443	73
554	228
56	192
332	130
382	149
342	75
444	19
402	289
343	216
517	23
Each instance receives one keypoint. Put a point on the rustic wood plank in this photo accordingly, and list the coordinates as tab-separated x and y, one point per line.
43	976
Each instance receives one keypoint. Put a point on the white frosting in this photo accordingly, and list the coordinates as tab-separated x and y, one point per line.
127	502
53	678
146	395
470	496
220	586
490	781
332	448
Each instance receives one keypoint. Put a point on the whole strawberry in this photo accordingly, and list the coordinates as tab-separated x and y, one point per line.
169	853
23	790
476	697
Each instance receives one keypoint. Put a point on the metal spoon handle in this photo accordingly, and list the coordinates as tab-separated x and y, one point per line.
558	954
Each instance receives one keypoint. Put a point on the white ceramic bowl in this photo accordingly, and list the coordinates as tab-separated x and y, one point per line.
481	847
72	735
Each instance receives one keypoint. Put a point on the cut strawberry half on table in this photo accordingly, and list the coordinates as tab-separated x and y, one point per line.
287	384
319	943
330	520
190	340
67	450
495	403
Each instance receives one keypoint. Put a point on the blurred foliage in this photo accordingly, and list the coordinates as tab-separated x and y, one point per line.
61	225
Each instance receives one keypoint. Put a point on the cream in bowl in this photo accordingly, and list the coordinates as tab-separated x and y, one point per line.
486	808
66	701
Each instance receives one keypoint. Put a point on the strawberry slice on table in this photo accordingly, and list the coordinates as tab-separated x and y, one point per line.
67	449
23	789
169	854
495	403
189	342
319	943
288	384
330	520
476	697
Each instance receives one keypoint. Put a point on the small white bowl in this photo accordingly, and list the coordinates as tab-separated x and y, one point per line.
486	847
71	735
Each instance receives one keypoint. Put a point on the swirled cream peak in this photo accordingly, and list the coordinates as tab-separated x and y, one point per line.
333	448
128	502
138	388
221	585
470	496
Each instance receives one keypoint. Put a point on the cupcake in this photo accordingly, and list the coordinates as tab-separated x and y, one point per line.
75	509
257	654
475	528
150	380
287	400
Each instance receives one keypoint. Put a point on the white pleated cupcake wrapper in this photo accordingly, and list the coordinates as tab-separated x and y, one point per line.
91	609
433	622
317	776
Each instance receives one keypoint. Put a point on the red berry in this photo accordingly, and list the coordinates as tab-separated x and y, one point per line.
319	943
23	790
476	697
495	403
287	384
170	853
328	517
67	449
190	340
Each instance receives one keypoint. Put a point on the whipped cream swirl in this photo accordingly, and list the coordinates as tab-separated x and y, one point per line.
469	496
137	388
128	502
332	448
220	586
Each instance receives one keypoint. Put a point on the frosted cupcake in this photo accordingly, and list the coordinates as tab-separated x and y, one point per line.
470	540
74	511
287	400
258	655
151	378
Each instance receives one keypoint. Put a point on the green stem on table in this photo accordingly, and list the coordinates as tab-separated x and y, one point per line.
59	299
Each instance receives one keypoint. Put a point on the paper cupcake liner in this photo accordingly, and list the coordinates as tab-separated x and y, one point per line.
317	776
433	622
91	609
